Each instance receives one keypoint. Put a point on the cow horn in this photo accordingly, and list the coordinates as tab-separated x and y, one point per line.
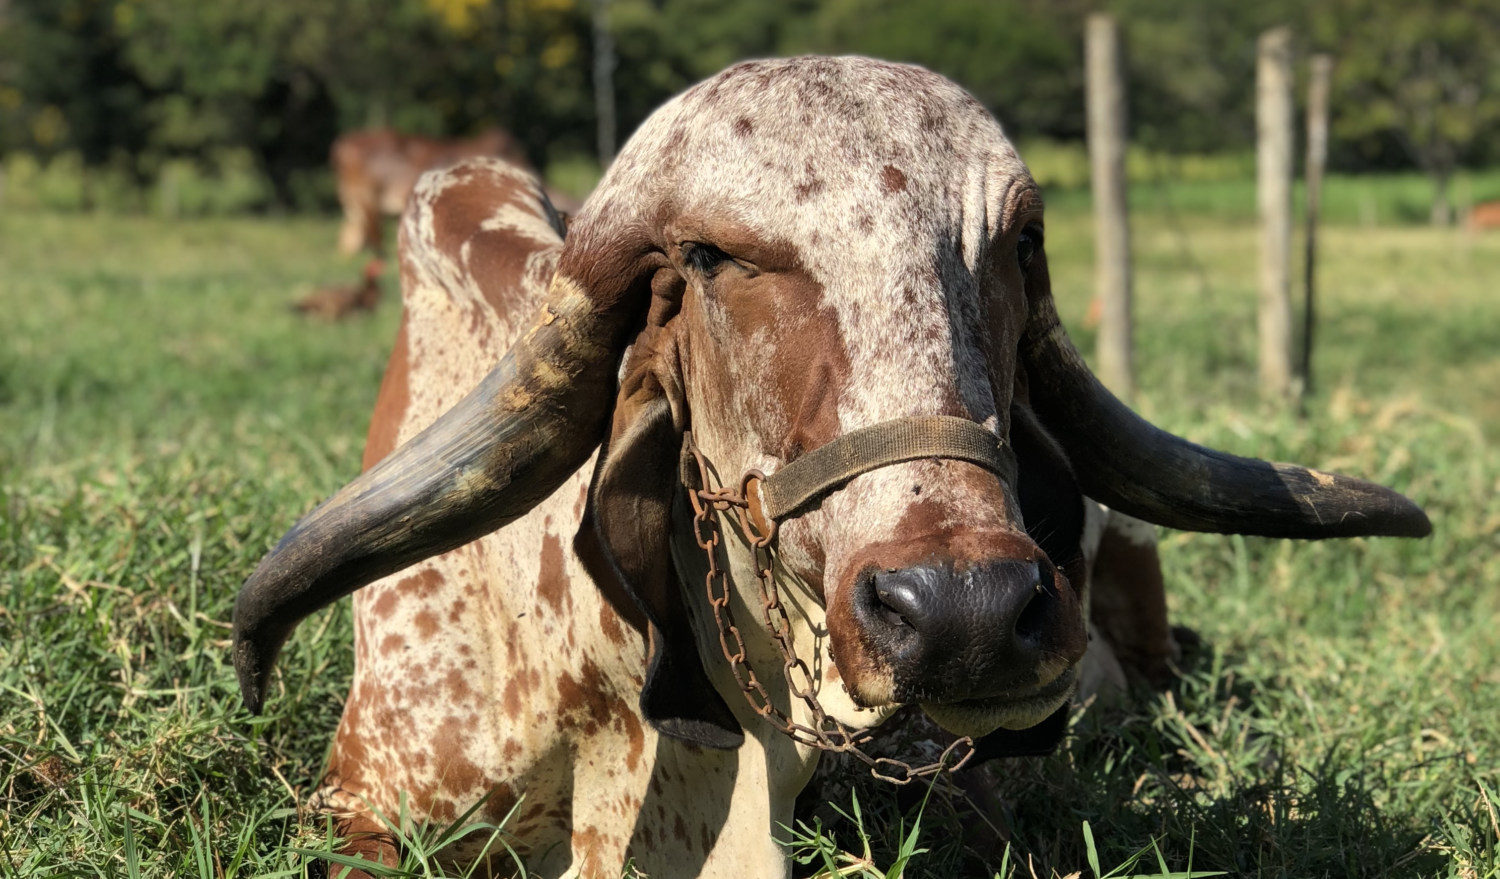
1124	461
487	461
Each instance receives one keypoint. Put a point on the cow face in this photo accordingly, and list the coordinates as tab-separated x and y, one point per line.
846	244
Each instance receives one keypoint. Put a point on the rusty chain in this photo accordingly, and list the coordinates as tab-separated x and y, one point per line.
825	733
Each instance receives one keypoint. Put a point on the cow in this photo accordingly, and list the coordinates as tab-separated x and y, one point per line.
1482	216
783	435
376	169
332	302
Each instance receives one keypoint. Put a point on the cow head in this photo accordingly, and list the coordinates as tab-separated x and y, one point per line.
784	254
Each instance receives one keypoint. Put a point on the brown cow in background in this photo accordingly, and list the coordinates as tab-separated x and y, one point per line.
378	167
1482	216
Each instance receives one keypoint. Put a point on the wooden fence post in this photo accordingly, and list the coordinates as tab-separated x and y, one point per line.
1320	71
604	82
1273	124
1106	136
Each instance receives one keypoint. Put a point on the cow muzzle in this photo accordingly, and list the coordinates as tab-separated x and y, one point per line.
981	645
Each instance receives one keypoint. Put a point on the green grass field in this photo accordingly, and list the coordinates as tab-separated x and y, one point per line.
164	418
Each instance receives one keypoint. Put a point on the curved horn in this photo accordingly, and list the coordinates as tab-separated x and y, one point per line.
504	448
1124	461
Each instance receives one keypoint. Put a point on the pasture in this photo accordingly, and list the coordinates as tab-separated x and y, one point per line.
164	418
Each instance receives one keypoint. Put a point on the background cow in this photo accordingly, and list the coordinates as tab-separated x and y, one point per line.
376	169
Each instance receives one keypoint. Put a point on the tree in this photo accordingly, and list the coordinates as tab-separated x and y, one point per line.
1023	59
1421	74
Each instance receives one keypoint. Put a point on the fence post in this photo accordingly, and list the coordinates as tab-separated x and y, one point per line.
604	82
1274	120
1320	71
1106	136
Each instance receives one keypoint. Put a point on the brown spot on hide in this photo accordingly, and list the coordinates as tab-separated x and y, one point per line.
385	605
455	772
456	612
635	734
581	701
457	689
426	623
366	838
811	184
422	585
552	577
609	625
743	127
892	179
588	842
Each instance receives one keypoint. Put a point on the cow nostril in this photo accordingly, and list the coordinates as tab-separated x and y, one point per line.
1032	621
888	604
892	600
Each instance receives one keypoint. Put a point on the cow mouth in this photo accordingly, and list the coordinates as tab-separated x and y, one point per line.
978	717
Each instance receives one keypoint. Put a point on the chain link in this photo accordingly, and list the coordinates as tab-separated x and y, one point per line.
825	733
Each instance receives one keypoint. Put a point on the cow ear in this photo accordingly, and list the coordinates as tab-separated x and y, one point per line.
629	522
1051	502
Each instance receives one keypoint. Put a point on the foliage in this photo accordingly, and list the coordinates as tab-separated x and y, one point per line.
136	84
1022	59
166	419
1422	75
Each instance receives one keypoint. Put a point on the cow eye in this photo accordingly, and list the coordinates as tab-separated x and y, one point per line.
1027	246
704	258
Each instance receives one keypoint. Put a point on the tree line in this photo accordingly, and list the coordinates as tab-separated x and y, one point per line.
140	86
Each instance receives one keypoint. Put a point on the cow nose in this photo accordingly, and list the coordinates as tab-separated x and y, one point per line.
959	634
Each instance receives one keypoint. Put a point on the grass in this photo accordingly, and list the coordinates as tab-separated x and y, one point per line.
163	419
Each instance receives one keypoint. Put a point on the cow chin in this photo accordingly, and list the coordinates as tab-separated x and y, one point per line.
979	717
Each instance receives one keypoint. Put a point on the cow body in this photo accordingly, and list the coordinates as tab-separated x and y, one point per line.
376	169
785	261
1482	216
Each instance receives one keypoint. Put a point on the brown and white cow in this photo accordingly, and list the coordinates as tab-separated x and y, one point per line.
376	169
782	256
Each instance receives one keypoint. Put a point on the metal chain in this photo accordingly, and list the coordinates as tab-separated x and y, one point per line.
825	733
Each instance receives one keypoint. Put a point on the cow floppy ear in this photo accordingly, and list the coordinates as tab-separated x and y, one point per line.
626	536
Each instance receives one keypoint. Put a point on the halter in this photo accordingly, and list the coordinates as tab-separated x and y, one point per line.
762	502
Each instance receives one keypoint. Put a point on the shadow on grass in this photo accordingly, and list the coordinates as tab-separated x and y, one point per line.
1196	778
